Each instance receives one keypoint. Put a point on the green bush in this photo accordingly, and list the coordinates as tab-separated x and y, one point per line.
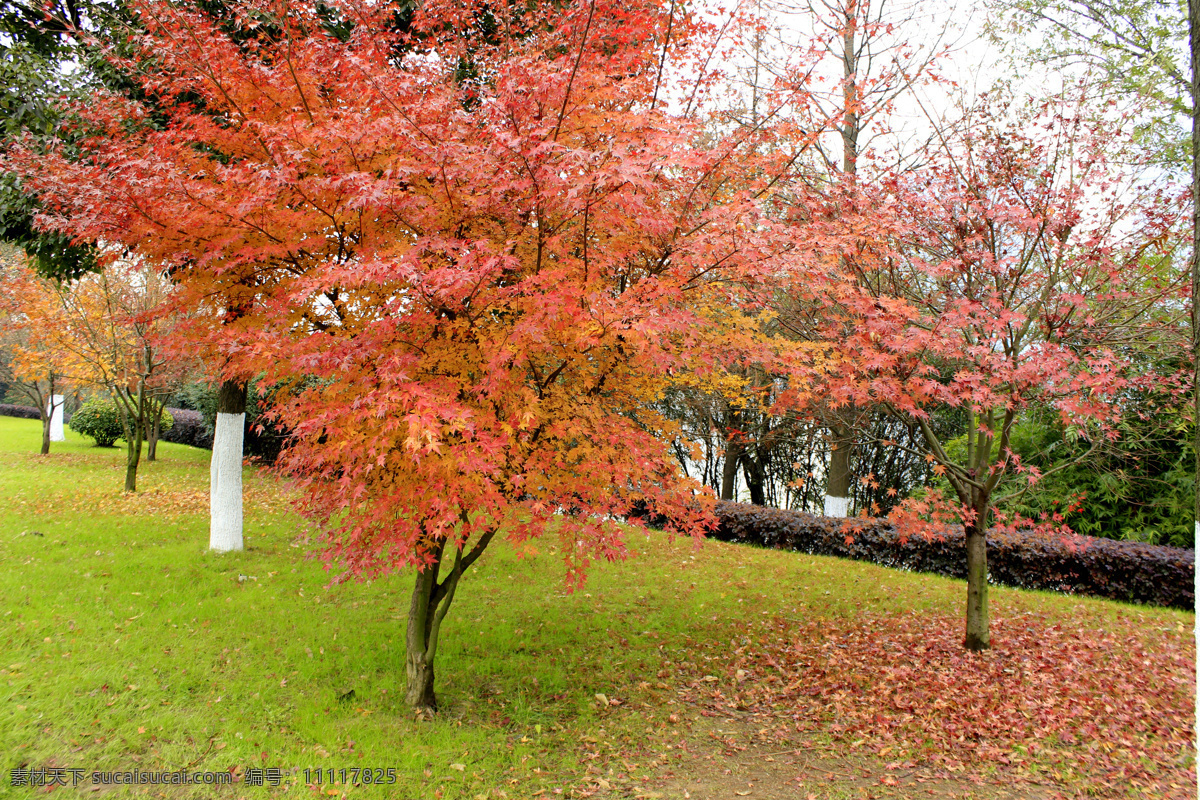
99	419
165	424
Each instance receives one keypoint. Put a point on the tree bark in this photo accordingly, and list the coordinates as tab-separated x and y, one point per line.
430	602
733	455
155	430
225	471
45	433
837	485
978	631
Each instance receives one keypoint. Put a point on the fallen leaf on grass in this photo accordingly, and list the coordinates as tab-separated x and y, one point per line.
1105	707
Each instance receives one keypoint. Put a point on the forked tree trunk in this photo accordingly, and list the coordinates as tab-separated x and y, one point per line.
133	411
155	430
837	486
419	657
978	631
430	602
225	471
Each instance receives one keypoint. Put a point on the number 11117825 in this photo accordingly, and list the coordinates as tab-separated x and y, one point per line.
360	775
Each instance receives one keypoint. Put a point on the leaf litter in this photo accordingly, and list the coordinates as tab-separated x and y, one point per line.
1104	711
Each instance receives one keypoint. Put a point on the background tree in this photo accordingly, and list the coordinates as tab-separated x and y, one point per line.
1025	280
1143	48
881	51
834	71
1137	486
1134	48
46	54
30	367
101	330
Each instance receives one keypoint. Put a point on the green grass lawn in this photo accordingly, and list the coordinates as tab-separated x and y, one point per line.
125	645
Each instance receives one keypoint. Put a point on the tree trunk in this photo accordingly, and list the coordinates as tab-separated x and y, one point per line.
978	636
430	602
755	472
46	412
733	454
133	435
133	457
155	431
837	485
419	660
225	471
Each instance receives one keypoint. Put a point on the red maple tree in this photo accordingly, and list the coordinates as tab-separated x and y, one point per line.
1019	268
470	250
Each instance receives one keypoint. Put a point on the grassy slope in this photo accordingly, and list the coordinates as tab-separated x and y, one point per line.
124	644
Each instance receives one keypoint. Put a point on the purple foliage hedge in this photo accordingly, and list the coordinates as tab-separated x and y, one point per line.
189	428
24	412
1128	571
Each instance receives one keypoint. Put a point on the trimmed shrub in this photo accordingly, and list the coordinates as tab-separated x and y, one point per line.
188	428
24	412
99	419
262	439
1128	571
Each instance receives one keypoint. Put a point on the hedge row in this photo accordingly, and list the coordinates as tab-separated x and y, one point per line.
1127	571
24	412
189	428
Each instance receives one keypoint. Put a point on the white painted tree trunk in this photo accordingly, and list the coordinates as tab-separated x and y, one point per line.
56	418
837	506
225	493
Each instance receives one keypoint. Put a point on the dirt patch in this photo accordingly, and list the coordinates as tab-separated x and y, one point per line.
723	759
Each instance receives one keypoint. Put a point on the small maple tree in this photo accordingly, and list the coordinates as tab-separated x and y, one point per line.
469	252
1018	269
32	367
98	330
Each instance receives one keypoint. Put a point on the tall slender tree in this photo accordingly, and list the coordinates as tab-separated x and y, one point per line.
881	50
